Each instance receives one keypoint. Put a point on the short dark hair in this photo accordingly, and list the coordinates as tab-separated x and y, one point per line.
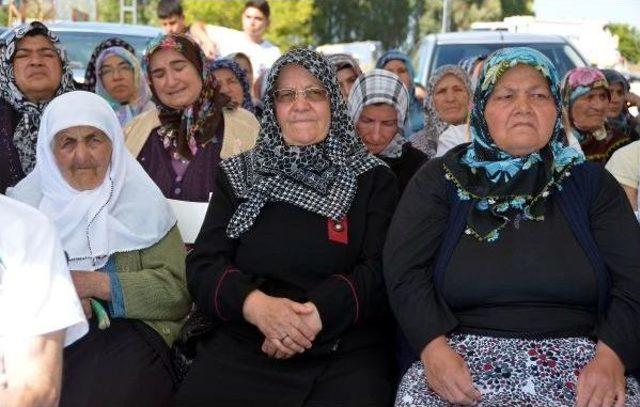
261	5
168	8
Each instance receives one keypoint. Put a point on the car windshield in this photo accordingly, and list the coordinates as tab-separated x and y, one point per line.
562	55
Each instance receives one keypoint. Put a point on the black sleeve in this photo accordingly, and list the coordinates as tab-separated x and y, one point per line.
216	285
345	299
409	255
617	234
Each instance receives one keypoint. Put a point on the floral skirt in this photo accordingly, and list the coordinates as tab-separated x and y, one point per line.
513	372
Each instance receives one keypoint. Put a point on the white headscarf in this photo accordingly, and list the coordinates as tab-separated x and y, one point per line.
126	212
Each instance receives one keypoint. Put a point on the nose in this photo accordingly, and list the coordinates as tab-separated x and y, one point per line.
449	96
300	103
375	135
522	103
82	154
170	79
224	88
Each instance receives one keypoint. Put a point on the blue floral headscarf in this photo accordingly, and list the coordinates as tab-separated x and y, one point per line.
505	188
230	64
415	118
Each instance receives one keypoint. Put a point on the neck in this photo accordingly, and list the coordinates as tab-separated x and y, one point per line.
38	97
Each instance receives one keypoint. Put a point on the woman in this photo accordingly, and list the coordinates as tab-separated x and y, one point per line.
378	107
24	96
233	83
91	73
400	64
123	249
304	326
121	83
181	142
347	71
445	110
619	120
585	97
496	236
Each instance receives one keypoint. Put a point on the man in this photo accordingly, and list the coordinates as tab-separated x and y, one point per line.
33	70
39	309
171	16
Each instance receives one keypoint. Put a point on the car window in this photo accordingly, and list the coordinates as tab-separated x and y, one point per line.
562	55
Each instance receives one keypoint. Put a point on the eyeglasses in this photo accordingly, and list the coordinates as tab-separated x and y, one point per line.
286	96
120	69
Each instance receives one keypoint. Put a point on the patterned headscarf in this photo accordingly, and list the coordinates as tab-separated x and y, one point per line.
508	188
183	131
469	65
320	178
577	83
26	133
623	121
90	74
341	61
380	86
241	76
125	113
415	118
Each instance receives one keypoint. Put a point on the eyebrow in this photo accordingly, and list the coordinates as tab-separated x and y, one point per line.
23	48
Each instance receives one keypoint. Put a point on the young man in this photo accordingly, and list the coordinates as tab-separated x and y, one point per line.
171	16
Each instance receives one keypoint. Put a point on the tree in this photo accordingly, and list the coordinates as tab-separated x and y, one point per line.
462	13
628	41
516	8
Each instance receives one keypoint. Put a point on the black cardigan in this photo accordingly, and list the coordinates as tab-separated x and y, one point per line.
406	165
288	253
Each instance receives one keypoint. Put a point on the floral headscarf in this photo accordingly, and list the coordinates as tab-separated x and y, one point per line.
380	86
624	121
230	64
90	74
25	135
125	113
577	83
504	188
415	119
320	178
183	131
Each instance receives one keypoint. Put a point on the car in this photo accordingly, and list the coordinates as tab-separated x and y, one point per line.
436	50
81	38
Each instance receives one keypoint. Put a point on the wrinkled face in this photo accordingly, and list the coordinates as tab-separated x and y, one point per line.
175	80
229	85
376	126
399	68
254	23
589	111
521	112
173	24
117	78
305	118
451	100
83	155
617	100
37	68
346	78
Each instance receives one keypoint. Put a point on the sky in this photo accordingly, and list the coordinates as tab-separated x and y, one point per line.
617	11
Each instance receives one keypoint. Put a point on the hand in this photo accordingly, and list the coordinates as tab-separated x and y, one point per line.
601	382
312	320
272	351
447	373
632	99
209	48
280	321
92	284
86	307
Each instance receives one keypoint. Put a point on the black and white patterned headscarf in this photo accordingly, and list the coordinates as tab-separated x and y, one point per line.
26	133
320	178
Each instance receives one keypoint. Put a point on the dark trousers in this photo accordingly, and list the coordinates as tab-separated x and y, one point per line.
123	365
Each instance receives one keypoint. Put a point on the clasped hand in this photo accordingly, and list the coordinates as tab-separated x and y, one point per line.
289	327
91	285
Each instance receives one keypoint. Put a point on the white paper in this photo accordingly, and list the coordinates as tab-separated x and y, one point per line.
190	216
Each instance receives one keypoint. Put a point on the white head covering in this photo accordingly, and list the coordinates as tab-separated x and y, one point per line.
127	212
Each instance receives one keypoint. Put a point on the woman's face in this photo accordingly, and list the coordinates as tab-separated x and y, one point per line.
37	68
304	116
451	100
83	155
589	111
176	81
399	68
616	104
117	78
229	85
346	78
521	112
376	126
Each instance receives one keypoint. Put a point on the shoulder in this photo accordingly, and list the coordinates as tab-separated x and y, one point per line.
413	154
241	130
625	164
137	131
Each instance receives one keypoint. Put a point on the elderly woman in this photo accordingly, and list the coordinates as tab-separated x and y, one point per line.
123	249
498	235
445	110
347	71
33	70
288	261
233	82
378	106
586	97
619	120
400	64
181	142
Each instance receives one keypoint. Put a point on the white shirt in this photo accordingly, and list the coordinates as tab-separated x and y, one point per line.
37	295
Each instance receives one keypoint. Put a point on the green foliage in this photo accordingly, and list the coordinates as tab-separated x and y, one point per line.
109	11
461	12
226	13
4	16
628	41
516	8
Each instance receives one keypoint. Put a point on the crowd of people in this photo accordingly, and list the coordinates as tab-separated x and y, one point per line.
363	245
